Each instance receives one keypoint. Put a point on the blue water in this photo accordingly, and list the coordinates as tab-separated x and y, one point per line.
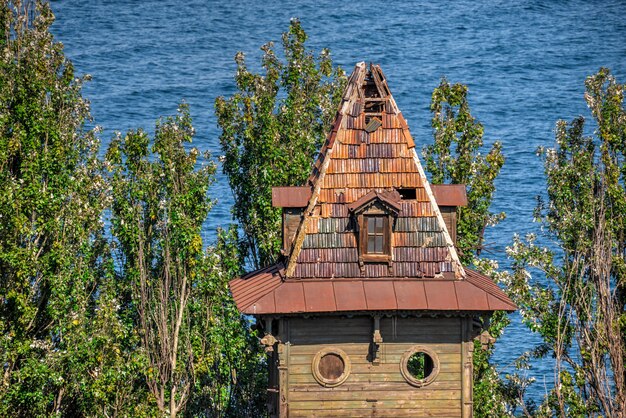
524	62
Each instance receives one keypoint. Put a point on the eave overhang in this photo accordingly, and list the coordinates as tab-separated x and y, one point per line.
266	293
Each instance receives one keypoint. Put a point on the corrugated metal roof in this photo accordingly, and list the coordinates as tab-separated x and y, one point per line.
479	294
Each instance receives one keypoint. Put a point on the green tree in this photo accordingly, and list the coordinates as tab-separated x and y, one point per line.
271	130
58	323
159	206
578	307
195	352
231	379
455	157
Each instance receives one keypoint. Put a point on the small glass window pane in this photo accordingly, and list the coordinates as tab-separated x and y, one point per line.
371	244
379	225
375	234
379	244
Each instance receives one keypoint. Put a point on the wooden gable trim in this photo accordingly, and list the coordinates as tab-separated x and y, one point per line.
380	81
358	75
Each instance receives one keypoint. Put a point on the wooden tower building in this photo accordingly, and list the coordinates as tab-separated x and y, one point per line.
370	313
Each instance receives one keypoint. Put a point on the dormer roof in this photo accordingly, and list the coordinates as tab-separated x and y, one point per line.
369	158
389	199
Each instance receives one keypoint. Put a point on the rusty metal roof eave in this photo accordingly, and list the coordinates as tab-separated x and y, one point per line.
291	196
450	194
247	289
485	283
396	312
407	312
277	296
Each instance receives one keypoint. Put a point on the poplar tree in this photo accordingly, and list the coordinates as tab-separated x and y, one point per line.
195	353
575	299
159	206
456	157
59	333
272	129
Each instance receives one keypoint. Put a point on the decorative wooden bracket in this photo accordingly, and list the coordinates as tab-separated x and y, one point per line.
377	340
486	340
269	340
481	324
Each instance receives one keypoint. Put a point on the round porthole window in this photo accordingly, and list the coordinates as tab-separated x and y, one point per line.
419	366
331	367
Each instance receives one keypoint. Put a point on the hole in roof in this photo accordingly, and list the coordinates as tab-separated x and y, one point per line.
376	106
408	194
369	89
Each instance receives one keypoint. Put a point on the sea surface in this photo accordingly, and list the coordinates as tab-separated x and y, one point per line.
525	63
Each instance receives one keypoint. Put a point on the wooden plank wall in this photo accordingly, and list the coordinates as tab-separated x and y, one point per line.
449	217
291	221
374	390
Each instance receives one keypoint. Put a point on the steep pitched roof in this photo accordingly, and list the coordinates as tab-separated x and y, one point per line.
368	156
354	163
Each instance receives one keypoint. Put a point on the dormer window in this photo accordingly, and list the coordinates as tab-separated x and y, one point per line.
374	214
375	235
377	241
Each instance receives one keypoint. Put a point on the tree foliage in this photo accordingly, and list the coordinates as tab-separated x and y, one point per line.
58	330
195	352
82	334
271	130
578	309
455	157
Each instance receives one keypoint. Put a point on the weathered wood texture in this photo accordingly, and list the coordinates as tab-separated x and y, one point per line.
291	220
449	217
467	360
374	390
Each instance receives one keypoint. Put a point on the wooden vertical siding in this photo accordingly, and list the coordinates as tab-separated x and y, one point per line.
374	390
291	220
449	217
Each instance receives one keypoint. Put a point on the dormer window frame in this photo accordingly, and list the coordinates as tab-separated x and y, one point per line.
363	218
384	205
